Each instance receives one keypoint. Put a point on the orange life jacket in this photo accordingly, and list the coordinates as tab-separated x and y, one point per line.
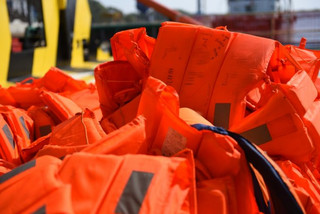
5	166
202	64
280	189
305	185
47	190
309	60
25	95
117	83
123	115
135	47
87	98
43	123
21	124
128	139
29	152
121	80
56	80
6	98
108	184
63	108
73	135
277	126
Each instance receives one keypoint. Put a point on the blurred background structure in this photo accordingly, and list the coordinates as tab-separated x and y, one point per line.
74	34
283	20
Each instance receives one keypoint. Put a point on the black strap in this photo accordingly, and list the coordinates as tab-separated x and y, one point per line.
282	199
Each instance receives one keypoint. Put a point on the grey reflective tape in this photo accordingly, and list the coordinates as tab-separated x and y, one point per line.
258	135
44	130
134	192
41	210
222	115
17	171
8	134
23	123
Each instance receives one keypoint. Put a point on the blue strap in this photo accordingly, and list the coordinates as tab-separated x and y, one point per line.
282	199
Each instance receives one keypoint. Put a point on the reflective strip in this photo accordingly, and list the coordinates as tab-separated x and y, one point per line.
134	193
23	123
17	171
44	130
222	115
41	210
8	134
258	135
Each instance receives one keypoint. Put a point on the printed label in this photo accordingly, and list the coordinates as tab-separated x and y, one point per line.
173	143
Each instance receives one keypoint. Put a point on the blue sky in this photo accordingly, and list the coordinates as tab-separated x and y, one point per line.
212	6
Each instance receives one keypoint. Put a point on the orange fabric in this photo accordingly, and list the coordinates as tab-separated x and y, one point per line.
121	116
5	166
57	81
234	81
174	135
72	135
58	151
283	176
8	150
171	176
217	195
192	117
283	125
87	98
283	128
202	65
311	120
309	60
317	84
25	95
16	197
155	97
307	191
171	53
301	92
117	83
6	98
192	203
129	139
43	123
220	149
223	157
84	182
135	47
258	85
63	108
21	124
81	129
282	65
29	152
56	201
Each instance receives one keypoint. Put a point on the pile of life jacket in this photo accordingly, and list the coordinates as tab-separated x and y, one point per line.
199	120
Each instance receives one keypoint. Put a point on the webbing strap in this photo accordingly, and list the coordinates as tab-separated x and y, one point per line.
283	200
